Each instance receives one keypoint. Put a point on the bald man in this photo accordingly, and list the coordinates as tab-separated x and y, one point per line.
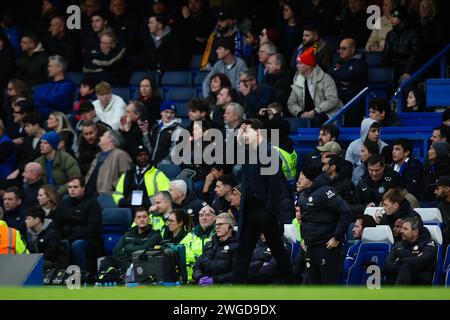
32	181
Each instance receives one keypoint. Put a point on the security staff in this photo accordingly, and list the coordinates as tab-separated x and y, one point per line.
11	241
413	260
140	183
260	202
325	218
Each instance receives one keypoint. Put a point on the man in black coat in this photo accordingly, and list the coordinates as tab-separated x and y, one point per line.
32	182
261	199
279	79
325	220
413	260
79	221
15	209
332	166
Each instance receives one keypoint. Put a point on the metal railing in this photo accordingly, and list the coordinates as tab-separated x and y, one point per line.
364	93
441	56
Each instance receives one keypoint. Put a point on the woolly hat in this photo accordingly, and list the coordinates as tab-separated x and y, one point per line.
168	105
311	172
307	57
401	13
52	139
441	149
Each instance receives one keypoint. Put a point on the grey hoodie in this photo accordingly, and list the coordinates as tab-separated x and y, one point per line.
33	236
354	148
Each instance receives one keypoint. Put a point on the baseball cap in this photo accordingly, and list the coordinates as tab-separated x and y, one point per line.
86	107
331	146
225	15
442	181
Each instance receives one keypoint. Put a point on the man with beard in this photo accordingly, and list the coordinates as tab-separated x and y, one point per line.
442	193
88	145
311	37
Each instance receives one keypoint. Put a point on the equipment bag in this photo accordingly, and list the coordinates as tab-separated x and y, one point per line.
155	266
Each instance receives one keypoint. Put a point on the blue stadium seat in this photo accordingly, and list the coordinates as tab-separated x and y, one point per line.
196	61
181	93
377	242
332	42
436	235
373	59
349	239
176	78
298	123
116	221
182	109
381	81
123	92
198	81
106	201
446	267
76	77
170	170
185	122
137	76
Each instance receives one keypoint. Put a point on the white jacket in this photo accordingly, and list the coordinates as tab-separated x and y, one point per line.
112	113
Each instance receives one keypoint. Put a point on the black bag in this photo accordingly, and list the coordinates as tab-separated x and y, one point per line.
155	266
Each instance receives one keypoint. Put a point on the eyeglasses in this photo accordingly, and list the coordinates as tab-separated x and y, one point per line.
205	214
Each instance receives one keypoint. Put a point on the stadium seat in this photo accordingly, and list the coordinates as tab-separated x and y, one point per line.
123	92
446	267
185	122
436	235
332	42
371	211
106	201
181	93
375	247
196	61
381	81
137	76
290	233
349	239
116	221
176	78
170	170
76	77
201	76
182	109
429	214
373	59
298	123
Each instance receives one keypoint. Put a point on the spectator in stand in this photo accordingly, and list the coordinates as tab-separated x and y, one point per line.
378	36
87	114
311	38
442	193
332	166
279	79
438	165
217	170
109	164
129	126
48	10
254	96
16	130
88	145
162	49
351	74
43	238
446	118
108	106
185	199
252	46
32	63
223	190
86	94
198	111
88	8
215	265
228	63
32	182
150	96
57	121
266	50
410	169
11	29
401	46
58	94
7	153
124	23
327	133
58	165
291	28
440	134
195	25
59	41
109	62
48	198
34	127
15	89
323	13
314	94
354	24
14	209
362	221
380	110
67	142
415	101
79	220
370	130
161	139
179	224
218	82
368	148
98	22
7	60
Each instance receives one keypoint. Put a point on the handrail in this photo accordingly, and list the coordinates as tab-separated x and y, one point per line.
441	55
338	116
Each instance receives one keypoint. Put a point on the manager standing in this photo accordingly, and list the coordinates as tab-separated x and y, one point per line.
260	202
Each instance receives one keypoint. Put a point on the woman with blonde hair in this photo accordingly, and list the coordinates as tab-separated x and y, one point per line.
48	199
57	121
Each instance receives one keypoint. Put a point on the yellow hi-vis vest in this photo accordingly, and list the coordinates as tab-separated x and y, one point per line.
289	165
11	240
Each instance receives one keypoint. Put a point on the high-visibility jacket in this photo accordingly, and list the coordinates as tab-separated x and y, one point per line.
297	226
154	180
11	241
289	165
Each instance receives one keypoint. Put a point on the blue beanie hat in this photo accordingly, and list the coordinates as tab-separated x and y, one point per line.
52	139
168	105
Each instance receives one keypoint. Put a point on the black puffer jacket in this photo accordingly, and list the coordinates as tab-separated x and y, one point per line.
343	186
403	212
400	50
217	260
324	213
431	173
412	175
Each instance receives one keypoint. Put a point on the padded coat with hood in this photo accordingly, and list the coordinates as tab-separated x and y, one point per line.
354	148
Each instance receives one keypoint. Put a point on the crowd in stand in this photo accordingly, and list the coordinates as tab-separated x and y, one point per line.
62	146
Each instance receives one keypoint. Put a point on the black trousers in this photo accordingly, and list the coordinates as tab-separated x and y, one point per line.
324	266
256	222
410	275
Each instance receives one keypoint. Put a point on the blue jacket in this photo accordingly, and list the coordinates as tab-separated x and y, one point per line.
7	156
54	96
351	256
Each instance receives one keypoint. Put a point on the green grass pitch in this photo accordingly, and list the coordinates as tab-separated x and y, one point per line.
225	293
